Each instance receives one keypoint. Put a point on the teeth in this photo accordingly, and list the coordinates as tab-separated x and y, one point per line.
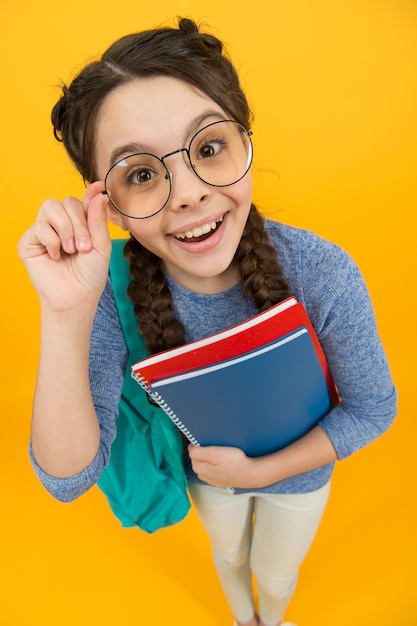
201	230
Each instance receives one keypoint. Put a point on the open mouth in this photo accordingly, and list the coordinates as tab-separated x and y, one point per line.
199	234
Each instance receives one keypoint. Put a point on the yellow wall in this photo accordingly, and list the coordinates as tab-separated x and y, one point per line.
333	87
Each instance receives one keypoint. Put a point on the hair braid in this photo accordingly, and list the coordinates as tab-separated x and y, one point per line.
152	300
258	265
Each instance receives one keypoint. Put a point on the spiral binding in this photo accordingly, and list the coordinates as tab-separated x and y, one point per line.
157	398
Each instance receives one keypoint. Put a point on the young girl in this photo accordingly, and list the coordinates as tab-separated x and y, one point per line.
160	128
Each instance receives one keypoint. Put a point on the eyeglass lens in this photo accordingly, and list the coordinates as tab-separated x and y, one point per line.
220	154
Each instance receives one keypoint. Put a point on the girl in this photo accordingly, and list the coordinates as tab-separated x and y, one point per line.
161	124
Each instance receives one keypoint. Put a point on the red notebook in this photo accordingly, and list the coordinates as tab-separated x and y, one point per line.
257	331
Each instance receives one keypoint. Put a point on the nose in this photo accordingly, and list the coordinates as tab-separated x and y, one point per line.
187	190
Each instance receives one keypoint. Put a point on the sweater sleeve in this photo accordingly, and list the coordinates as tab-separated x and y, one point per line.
341	311
107	363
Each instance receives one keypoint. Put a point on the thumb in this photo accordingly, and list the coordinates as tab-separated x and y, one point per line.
197	452
96	206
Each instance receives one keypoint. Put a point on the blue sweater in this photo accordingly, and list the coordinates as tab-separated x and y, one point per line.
327	281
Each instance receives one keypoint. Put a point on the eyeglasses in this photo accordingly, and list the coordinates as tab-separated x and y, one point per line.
220	154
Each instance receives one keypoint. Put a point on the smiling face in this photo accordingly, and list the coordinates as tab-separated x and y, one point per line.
197	233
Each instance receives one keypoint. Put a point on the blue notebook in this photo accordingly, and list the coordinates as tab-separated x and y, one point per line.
259	401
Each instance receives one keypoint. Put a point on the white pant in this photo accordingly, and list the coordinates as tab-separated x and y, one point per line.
267	535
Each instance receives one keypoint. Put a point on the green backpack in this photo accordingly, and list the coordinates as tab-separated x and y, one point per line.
144	481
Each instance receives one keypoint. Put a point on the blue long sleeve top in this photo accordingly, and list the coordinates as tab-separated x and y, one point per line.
328	282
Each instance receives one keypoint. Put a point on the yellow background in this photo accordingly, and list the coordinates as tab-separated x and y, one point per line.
334	88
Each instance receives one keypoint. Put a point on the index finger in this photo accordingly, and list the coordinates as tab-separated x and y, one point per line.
91	192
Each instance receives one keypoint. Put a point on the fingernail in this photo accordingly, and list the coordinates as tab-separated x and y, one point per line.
69	246
84	244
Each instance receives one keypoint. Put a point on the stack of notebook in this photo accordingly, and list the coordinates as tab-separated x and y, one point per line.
257	386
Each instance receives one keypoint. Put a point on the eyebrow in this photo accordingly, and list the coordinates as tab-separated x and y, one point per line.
134	148
129	148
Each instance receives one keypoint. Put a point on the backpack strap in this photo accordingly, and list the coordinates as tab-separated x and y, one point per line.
120	278
144	481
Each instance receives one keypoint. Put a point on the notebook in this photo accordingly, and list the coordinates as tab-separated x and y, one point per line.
257	386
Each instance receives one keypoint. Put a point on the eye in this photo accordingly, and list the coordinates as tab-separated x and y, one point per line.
140	176
211	148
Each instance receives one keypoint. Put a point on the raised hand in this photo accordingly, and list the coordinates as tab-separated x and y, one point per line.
67	250
67	253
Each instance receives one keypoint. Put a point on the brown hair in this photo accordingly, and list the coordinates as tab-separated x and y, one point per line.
198	59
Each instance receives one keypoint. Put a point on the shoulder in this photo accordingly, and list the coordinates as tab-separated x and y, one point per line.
320	273
298	243
309	260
